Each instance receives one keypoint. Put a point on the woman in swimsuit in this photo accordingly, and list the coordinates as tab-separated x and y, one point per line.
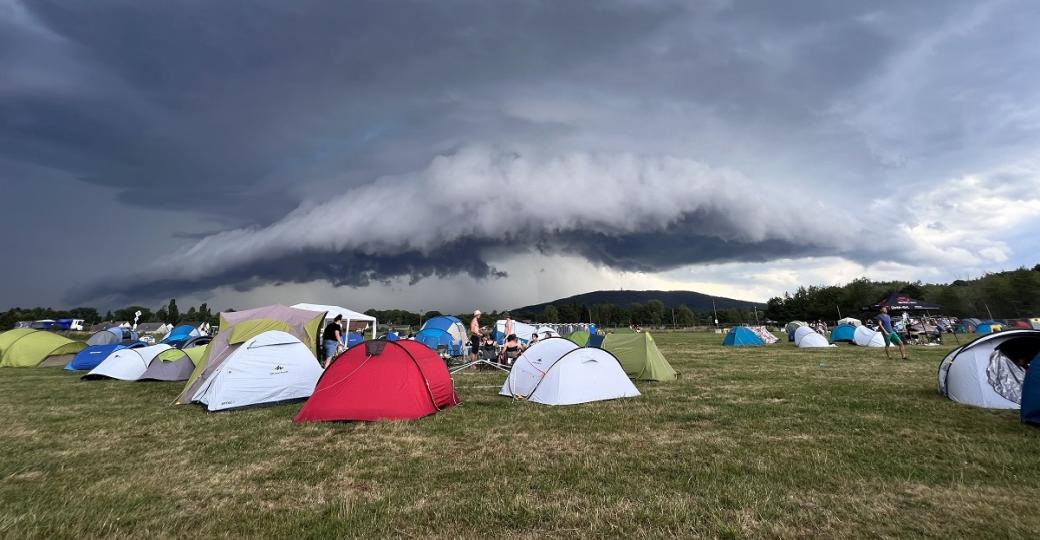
511	349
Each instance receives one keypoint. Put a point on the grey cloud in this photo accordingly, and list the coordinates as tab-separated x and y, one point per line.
660	213
248	116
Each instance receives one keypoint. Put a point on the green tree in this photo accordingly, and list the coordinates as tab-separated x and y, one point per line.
685	316
172	312
551	314
655	312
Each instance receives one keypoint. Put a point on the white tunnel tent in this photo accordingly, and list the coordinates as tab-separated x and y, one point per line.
348	315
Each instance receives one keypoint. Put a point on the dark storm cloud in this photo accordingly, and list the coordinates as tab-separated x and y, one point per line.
358	141
338	268
233	100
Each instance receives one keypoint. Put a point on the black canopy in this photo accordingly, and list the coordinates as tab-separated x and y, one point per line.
902	302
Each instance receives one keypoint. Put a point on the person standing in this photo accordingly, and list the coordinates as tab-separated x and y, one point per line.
509	326
474	336
330	339
889	333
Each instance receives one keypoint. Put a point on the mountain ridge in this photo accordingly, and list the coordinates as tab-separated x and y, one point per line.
694	300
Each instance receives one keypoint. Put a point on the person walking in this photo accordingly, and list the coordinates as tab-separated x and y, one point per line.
331	338
889	333
474	336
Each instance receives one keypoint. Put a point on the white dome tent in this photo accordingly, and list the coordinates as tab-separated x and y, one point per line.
865	337
126	364
544	329
987	372
806	337
851	321
555	371
270	367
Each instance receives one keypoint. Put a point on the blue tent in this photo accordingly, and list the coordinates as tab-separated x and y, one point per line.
180	334
353	338
444	330
392	336
843	332
1031	394
985	327
443	322
595	340
89	358
742	336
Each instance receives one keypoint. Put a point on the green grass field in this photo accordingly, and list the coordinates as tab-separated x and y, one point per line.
750	442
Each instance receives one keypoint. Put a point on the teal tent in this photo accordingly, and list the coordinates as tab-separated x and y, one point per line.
742	336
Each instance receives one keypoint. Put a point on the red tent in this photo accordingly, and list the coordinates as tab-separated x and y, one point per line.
381	380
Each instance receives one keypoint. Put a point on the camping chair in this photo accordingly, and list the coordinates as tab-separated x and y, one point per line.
488	352
486	355
507	358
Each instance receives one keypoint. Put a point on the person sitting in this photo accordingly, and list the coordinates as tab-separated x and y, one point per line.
533	340
547	335
488	347
511	349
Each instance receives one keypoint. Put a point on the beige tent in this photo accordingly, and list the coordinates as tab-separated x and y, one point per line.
237	327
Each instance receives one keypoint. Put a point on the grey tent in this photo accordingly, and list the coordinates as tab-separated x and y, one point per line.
113	336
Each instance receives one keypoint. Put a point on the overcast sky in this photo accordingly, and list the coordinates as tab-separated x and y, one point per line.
451	155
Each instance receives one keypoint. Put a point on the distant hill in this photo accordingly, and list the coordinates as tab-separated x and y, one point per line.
672	299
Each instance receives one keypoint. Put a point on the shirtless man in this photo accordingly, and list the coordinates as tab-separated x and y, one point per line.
474	336
509	325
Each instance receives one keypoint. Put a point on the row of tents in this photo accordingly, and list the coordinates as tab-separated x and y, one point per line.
803	336
448	335
268	355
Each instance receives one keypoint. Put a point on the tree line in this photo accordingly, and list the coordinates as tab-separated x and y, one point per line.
1011	294
169	313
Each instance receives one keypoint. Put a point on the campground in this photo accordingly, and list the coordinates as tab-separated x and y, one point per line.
748	442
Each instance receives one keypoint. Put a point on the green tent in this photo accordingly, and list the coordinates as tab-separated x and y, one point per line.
9	337
580	337
639	356
38	348
193	354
